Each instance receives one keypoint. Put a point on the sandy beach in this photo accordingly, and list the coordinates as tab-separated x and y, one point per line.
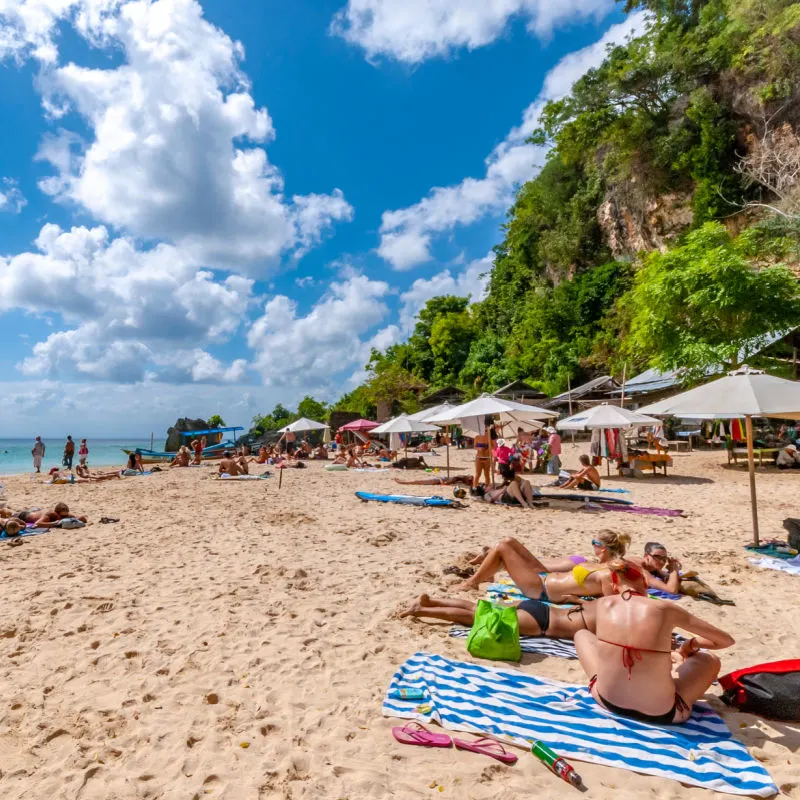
229	640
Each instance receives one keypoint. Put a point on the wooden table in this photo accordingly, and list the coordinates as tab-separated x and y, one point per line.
654	460
758	451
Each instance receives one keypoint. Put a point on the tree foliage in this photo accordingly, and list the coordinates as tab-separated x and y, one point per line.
698	117
701	304
216	421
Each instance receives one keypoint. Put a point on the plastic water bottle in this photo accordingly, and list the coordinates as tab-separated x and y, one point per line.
407	694
559	765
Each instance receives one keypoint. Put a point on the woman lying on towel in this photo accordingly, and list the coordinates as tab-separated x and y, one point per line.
629	658
535	617
456	480
536	578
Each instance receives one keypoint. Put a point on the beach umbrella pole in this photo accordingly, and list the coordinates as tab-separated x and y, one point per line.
751	464
448	451
280	478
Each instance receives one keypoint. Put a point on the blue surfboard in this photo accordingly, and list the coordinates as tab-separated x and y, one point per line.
408	500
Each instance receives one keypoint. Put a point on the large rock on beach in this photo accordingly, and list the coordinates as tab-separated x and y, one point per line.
174	438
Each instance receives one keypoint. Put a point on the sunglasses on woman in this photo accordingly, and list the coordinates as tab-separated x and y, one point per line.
595	543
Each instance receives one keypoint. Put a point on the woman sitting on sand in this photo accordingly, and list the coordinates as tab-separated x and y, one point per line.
531	575
625	659
515	490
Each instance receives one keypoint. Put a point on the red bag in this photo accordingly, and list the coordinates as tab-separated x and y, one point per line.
769	690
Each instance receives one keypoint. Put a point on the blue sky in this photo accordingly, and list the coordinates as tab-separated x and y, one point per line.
214	206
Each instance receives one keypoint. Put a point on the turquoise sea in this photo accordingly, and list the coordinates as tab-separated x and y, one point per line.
15	454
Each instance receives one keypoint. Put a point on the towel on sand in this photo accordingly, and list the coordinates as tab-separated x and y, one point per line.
792	566
557	648
517	707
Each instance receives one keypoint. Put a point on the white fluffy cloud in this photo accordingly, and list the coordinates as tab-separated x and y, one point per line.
470	282
175	150
12	201
127	305
305	351
415	30
407	234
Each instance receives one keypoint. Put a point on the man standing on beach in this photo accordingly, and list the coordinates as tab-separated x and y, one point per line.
38	453
554	444
69	453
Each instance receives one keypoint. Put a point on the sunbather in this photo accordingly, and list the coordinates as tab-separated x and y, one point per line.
230	465
135	462
49	519
660	571
12	526
84	474
515	490
530	573
629	658
535	617
455	480
586	478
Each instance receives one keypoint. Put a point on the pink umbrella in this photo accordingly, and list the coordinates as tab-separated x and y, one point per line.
359	425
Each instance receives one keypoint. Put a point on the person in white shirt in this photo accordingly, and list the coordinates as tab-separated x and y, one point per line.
38	453
788	458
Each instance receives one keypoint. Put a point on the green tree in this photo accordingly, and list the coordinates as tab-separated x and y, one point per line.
419	356
700	304
310	408
216	421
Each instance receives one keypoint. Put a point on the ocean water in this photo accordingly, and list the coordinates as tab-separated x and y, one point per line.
15	454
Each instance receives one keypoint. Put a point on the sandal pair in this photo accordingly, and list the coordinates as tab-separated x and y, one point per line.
416	734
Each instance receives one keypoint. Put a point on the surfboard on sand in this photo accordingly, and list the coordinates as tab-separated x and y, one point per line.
408	500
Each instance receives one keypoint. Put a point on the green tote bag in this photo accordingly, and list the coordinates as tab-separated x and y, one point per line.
495	633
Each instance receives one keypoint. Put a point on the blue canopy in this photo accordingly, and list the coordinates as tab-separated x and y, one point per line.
210	430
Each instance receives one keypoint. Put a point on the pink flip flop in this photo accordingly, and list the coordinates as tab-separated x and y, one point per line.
487	747
414	733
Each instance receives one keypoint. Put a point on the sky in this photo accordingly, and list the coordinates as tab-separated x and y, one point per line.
211	207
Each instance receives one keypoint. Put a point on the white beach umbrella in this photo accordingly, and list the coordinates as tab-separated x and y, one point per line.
427	413
743	393
605	416
303	424
468	415
404	424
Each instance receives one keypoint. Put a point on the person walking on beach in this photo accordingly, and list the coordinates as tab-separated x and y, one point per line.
38	453
69	453
83	452
554	444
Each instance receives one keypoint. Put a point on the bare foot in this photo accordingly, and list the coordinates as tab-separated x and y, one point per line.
415	608
465	586
479	558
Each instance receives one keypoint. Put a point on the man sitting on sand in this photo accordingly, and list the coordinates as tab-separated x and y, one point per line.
629	658
229	465
586	478
49	519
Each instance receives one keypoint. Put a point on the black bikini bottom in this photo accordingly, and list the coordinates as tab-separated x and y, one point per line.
666	718
539	611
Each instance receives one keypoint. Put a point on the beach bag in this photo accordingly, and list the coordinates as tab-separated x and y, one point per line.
495	633
71	522
793	528
769	690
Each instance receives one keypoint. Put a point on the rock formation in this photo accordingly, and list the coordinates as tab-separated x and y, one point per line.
174	438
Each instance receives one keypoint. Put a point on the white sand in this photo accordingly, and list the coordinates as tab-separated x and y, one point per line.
231	640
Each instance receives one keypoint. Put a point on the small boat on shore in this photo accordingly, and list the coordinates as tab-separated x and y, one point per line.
211	452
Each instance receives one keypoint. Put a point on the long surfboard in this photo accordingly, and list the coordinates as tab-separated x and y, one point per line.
408	500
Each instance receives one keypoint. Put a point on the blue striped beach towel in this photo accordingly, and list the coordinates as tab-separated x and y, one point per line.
517	708
543	645
507	591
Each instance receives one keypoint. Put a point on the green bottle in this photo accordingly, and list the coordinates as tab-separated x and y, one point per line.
560	766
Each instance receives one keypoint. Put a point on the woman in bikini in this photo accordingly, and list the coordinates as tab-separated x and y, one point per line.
483	455
535	617
629	658
530	574
514	491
